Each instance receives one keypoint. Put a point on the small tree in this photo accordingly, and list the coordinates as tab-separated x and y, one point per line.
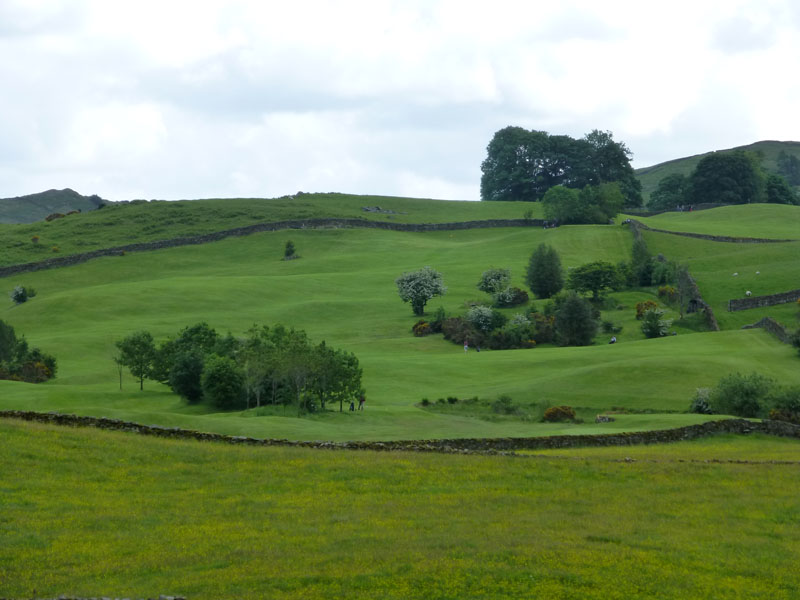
545	277
222	382
575	324
288	251
653	325
21	294
137	352
420	286
595	277
741	395
185	377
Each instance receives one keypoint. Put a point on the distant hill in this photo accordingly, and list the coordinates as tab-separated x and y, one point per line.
35	207
769	149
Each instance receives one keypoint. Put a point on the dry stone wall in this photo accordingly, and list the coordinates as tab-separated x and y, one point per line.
64	261
762	301
772	326
714	238
461	446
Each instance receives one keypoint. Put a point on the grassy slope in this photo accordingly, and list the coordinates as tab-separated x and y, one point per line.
121	224
650	176
214	521
768	221
35	207
342	290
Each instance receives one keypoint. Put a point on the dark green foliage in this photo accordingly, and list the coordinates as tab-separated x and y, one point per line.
789	167
595	204
595	277
641	263
545	276
786	405
452	400
544	327
741	395
198	339
524	165
458	330
671	192
559	414
19	362
21	294
223	383
138	353
778	191
288	251
575	323
186	374
504	405
727	178
439	315
420	286
336	375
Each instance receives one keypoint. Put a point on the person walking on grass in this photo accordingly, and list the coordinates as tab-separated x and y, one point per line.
466	346
361	401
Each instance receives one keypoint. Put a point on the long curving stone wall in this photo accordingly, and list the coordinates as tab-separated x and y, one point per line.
762	301
460	446
73	259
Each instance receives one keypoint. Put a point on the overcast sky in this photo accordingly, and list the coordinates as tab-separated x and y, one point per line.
196	99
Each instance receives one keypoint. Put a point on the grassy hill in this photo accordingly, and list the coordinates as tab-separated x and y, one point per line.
35	207
92	513
342	291
769	149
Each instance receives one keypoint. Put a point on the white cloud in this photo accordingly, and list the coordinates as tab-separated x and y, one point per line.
211	98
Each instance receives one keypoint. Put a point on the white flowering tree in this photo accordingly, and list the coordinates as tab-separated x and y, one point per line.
420	286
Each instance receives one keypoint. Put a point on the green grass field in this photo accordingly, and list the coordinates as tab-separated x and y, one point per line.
92	513
342	290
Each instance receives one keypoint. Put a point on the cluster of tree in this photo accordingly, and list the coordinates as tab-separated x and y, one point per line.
728	178
524	165
751	396
266	366
593	204
20	362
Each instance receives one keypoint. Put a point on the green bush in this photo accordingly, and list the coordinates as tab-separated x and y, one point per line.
425	402
504	405
452	400
741	395
559	414
653	325
786	405
511	296
21	294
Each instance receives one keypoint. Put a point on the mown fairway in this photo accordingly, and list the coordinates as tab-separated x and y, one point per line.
342	290
94	513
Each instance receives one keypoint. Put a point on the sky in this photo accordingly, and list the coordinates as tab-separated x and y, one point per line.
202	99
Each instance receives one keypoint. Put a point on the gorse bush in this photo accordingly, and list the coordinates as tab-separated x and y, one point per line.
559	414
421	328
644	306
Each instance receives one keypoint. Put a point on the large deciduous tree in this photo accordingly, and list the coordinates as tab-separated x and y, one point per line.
670	192
524	165
420	286
727	178
545	276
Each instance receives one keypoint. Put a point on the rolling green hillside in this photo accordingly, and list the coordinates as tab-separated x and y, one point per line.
342	291
35	207
769	149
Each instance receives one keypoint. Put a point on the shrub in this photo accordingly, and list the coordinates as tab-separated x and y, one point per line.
458	329
699	403
439	315
440	401
653	325
610	327
35	239
425	402
663	272
19	295
481	318
786	405
741	395
56	249
504	405
494	280
559	414
511	296
667	292
543	327
421	328
575	323
644	306
452	400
